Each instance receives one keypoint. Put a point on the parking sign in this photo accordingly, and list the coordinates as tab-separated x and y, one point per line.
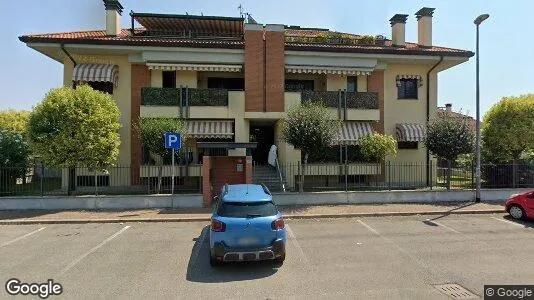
173	140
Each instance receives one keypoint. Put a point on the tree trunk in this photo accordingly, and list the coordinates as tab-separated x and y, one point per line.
449	163
160	173
302	172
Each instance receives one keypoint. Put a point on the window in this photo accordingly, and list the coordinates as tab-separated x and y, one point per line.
169	79
408	145
352	84
407	88
244	209
106	87
293	85
226	83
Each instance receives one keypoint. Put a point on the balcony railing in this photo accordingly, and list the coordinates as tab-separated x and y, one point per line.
337	39
187	96
356	100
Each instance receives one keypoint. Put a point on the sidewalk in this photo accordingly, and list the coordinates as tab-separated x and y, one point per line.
203	214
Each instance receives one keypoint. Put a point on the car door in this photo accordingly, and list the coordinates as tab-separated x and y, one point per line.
529	203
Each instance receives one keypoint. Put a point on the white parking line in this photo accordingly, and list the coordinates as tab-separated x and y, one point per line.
77	260
509	222
369	227
297	245
444	226
22	237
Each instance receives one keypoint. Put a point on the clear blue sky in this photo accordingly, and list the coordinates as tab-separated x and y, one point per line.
506	37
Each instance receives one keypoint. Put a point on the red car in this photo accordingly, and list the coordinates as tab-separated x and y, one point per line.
521	206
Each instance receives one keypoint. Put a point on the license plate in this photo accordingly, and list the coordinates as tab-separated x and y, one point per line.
247	241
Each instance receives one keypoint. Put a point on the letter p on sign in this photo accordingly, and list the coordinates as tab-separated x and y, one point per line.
173	140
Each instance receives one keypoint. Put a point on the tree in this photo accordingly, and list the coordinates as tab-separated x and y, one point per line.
14	156
377	146
14	147
508	129
152	132
310	128
448	138
14	120
75	128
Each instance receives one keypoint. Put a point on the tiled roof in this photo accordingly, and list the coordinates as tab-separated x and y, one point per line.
386	48
139	39
444	113
126	38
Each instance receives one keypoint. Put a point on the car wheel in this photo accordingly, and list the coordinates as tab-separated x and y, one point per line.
280	259
516	212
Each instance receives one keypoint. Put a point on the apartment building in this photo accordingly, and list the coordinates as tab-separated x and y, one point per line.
232	80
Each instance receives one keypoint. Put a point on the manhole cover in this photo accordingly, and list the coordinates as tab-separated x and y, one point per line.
455	291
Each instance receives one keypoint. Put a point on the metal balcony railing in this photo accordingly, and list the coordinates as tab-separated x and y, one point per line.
355	100
184	97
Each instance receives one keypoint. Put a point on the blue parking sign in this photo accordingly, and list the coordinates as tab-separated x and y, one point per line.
173	140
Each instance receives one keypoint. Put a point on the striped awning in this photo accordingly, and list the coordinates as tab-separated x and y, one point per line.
222	129
96	72
411	132
194	67
351	132
306	69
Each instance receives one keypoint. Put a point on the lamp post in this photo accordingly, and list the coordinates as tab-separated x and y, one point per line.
477	22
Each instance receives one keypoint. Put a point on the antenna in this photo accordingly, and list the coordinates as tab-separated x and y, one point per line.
240	8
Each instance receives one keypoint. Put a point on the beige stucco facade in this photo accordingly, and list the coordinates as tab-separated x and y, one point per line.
394	110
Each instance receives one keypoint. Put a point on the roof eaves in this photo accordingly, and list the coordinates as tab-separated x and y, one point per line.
371	49
137	42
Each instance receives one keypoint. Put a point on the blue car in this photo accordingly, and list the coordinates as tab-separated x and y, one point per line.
246	226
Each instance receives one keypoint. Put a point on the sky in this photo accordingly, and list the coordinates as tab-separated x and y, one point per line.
506	41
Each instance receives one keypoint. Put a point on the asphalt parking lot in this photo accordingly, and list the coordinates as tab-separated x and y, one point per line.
372	258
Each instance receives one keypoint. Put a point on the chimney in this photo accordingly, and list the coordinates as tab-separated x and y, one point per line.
424	26
113	17
398	32
448	107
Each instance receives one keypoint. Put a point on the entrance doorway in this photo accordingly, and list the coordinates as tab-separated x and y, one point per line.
264	136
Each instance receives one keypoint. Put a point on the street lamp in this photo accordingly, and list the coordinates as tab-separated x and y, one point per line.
477	22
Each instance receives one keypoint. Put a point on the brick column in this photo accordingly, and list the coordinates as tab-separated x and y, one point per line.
375	83
140	79
206	182
254	67
275	68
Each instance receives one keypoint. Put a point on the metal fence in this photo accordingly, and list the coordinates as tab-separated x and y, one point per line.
403	176
39	180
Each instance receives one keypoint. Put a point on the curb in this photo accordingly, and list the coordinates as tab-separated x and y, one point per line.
288	216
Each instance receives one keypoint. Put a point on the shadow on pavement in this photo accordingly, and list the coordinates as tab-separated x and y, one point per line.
447	213
200	270
21	214
526	223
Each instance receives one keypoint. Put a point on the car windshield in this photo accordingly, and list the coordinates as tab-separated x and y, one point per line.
246	209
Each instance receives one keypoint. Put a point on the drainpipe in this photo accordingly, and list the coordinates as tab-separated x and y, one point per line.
264	72
72	59
71	185
428	168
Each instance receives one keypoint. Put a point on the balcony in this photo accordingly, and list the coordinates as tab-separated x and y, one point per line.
183	97
335	99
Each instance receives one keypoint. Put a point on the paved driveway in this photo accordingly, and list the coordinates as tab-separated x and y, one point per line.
387	257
